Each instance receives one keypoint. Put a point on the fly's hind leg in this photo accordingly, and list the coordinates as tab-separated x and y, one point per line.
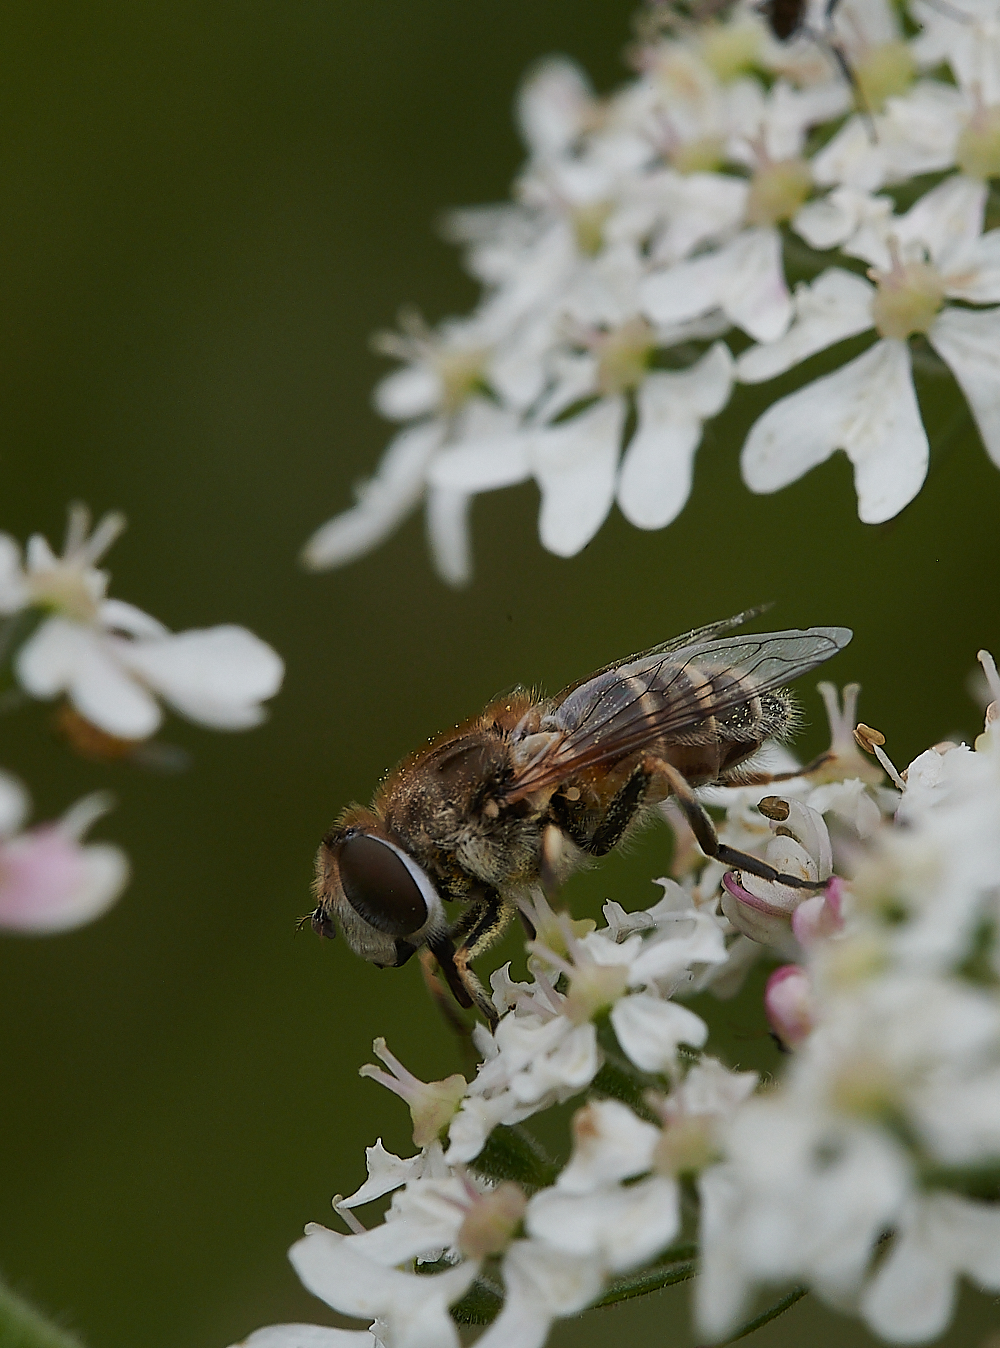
705	835
766	778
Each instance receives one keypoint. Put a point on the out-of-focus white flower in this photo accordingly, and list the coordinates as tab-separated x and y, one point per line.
112	660
51	881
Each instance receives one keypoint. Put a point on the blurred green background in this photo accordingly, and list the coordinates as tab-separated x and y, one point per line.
205	210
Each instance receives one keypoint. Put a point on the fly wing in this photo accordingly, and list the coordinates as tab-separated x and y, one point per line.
659	697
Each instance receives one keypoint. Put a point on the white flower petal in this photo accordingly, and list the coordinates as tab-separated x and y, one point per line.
754	294
552	105
115	615
386	1172
973	270
448	534
383	502
911	1297
624	1227
307	1336
650	1030
542	1285
610	1143
217	676
414	1305
482	465
65	656
575	464
836	305
15	803
867	408
655	478
414	391
968	342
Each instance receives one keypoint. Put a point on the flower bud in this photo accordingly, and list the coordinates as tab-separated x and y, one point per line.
788	1004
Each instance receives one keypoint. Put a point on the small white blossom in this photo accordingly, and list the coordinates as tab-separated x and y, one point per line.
111	659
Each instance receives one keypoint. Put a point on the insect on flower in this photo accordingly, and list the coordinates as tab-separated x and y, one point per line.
522	794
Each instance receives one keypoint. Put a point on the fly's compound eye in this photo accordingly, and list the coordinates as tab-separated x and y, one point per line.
381	887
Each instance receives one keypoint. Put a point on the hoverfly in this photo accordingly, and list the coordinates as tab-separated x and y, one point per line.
519	796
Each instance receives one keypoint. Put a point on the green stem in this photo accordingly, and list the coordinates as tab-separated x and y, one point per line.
21	1326
649	1280
765	1317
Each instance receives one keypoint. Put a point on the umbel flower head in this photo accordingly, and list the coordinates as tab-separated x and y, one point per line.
865	1169
649	236
110	659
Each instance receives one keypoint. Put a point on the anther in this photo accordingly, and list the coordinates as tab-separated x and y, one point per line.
773	807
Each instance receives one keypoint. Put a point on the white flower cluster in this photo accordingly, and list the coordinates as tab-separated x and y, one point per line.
63	638
653	223
869	1172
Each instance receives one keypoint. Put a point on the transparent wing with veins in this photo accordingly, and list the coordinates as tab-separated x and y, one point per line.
665	696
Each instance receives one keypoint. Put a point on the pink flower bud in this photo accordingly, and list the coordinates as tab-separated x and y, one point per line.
788	1004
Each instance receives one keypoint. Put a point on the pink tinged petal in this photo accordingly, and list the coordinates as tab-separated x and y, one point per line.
216	676
650	1030
448	534
835	306
656	472
413	391
542	1285
867	408
307	1336
575	464
788	1004
68	657
415	1306
116	615
50	883
968	342
383	502
624	1227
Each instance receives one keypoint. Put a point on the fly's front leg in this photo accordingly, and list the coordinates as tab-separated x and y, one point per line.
706	837
482	923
